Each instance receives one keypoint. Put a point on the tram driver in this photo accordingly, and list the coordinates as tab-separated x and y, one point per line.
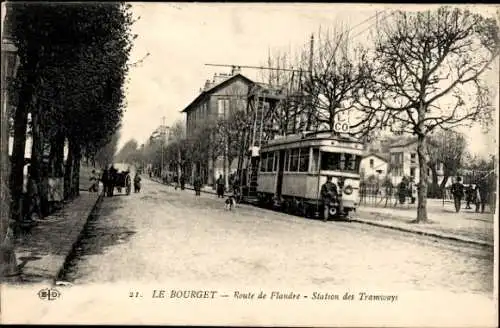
328	195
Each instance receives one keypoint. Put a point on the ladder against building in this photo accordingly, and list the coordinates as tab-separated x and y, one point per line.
263	102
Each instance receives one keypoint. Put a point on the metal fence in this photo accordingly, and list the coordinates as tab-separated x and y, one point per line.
386	196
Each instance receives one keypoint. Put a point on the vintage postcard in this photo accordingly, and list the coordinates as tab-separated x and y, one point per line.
255	164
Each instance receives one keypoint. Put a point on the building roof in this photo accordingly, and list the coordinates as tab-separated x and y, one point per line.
403	142
214	89
381	156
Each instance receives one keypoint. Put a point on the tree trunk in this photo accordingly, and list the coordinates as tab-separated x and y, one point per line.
68	172
17	175
241	154
8	257
435	185
58	151
443	184
225	165
179	163
76	171
20	123
37	159
422	190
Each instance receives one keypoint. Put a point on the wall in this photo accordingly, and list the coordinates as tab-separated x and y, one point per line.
409	163
231	92
378	164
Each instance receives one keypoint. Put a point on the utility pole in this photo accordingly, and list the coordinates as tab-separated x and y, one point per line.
162	145
309	99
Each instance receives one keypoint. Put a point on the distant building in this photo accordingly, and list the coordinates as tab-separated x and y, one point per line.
221	96
404	161
375	164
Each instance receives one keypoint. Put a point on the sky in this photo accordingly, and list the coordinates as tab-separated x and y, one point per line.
182	37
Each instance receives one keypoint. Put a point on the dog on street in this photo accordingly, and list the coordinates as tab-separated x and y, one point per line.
230	203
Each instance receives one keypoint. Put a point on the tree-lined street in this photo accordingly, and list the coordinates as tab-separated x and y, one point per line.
170	235
95	190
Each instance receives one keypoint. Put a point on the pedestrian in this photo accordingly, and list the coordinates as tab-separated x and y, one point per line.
236	188
470	192
105	181
94	182
412	190
182	181
176	181
220	187
457	190
137	183
477	197
113	176
328	194
483	195
197	186
33	209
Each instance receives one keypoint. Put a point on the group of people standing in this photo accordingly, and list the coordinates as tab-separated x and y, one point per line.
477	195
221	186
109	179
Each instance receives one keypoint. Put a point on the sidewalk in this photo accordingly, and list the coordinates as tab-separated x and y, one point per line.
466	226
42	252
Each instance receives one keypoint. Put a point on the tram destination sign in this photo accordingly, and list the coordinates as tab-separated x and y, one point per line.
342	122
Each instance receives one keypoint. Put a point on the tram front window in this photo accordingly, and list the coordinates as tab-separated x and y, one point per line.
340	162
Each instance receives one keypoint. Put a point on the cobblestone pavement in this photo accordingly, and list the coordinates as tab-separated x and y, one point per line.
166	235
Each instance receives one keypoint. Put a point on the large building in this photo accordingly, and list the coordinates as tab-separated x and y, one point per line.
404	161
221	96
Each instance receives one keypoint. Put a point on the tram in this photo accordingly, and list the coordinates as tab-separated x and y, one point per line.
293	168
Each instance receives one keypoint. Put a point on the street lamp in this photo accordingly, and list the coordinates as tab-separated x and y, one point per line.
10	62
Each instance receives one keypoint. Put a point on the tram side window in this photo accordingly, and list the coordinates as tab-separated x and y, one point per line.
315	159
353	162
287	160
340	162
275	161
304	160
330	161
263	162
270	162
294	160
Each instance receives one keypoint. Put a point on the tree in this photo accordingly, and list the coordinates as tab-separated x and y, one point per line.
428	68
176	150
340	71
446	148
198	145
128	153
105	155
73	67
230	134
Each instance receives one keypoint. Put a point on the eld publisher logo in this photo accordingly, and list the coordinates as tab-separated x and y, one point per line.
49	294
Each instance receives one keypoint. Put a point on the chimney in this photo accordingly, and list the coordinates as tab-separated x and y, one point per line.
208	84
236	70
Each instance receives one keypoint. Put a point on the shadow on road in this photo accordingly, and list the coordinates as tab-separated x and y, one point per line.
95	239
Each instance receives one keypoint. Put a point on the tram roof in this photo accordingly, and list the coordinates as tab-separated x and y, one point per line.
309	136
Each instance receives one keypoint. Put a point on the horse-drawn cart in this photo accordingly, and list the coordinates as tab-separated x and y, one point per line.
123	180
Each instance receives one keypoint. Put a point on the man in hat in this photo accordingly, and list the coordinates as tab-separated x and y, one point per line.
328	193
457	190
